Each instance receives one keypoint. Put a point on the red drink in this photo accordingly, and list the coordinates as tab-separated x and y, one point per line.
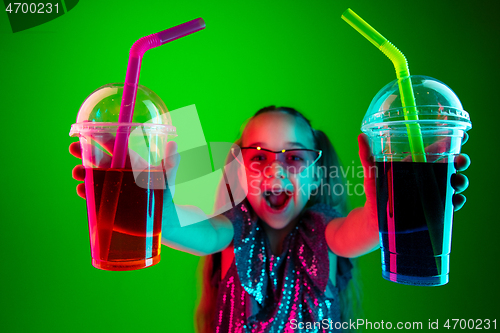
132	239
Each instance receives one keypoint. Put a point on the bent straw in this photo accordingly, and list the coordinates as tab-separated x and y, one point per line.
113	180
404	81
132	78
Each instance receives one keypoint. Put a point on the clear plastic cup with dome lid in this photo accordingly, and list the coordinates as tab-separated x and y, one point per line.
124	204
414	194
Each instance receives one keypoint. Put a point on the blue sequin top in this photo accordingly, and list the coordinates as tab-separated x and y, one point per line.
262	292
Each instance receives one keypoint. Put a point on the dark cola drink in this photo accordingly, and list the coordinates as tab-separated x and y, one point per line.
415	215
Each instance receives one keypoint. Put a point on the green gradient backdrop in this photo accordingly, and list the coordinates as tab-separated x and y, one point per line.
252	54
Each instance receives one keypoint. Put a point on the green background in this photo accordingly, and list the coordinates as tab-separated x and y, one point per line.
251	55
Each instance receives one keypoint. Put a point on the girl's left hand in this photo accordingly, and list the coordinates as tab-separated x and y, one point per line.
458	181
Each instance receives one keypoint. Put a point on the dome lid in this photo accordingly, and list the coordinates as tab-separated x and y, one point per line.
434	100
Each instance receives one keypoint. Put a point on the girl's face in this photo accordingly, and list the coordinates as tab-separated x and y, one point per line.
277	196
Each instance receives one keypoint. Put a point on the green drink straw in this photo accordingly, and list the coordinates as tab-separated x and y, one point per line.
408	103
404	81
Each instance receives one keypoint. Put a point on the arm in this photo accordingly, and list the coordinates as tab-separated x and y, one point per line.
354	235
357	234
208	236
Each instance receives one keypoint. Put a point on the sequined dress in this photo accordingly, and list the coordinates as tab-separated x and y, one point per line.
265	293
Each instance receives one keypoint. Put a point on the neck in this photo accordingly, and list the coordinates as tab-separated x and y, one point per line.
277	236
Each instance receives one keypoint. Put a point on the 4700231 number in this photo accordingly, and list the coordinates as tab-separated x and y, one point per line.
471	324
32	7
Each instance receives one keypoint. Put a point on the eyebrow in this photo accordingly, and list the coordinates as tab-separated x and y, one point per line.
297	144
289	143
255	144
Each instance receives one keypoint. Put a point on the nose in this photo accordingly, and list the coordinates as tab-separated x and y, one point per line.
274	169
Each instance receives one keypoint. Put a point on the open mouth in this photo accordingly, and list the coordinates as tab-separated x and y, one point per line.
277	200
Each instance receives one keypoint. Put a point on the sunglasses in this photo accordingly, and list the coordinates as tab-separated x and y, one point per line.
294	161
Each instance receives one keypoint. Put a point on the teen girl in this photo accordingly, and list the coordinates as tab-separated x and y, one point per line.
278	261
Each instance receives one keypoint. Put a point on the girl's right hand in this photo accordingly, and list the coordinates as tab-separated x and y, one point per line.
172	160
78	170
459	182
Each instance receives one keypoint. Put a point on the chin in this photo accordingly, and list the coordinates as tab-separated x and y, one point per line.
275	223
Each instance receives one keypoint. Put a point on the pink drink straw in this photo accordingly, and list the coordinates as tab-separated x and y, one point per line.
110	192
132	79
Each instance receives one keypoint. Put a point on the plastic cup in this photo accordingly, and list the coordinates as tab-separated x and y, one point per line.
414	199
124	228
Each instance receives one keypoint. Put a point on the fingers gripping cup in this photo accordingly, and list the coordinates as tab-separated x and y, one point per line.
125	227
414	193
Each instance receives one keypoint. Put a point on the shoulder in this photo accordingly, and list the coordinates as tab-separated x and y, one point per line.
322	213
238	213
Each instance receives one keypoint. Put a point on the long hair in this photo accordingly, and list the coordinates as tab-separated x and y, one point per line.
349	296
